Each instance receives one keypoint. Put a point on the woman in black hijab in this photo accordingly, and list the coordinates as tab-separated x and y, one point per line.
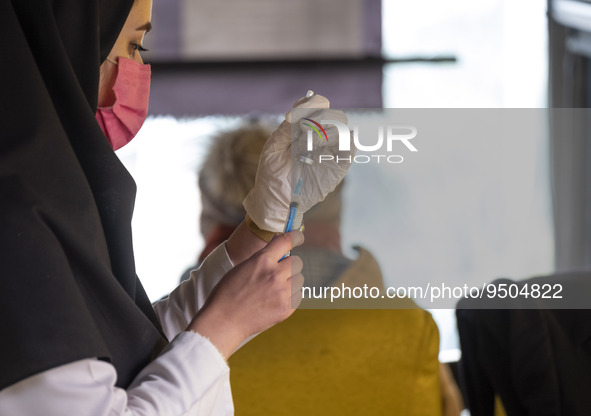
79	335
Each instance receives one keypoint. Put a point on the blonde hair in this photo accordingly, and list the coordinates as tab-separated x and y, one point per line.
228	174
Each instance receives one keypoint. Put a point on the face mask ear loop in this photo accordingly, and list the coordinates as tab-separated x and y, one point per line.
112	61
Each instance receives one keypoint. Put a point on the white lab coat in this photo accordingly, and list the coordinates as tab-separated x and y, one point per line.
190	377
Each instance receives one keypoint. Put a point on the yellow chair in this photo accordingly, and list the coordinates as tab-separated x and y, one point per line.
341	362
499	409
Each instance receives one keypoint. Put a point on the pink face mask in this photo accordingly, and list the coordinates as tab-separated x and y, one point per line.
123	120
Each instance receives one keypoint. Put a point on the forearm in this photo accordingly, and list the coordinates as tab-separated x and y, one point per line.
189	377
243	243
178	309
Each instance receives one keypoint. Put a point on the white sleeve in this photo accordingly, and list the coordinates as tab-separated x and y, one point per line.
190	377
178	309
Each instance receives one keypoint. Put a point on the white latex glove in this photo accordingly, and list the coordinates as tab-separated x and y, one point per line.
267	204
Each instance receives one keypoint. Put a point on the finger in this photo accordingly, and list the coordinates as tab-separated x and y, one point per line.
346	153
296	264
315	101
297	282
305	107
325	131
282	243
289	267
324	114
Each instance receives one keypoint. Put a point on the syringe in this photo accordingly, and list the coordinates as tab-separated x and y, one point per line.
296	195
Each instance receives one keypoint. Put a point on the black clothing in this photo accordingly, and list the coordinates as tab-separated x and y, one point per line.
68	287
538	361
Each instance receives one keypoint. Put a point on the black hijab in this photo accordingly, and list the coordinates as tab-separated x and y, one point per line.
68	287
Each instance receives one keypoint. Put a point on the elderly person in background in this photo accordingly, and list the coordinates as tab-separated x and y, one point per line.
225	177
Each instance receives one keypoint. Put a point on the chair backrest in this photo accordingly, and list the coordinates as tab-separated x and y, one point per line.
341	362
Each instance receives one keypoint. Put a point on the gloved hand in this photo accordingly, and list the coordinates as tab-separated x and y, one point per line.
267	204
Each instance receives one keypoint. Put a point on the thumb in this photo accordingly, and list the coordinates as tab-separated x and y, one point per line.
282	243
